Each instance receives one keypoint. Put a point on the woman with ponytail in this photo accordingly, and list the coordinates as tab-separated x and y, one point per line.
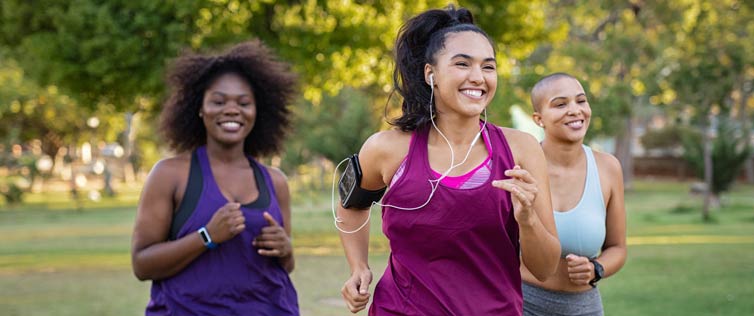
467	200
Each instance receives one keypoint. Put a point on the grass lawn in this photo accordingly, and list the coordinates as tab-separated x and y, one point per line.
55	260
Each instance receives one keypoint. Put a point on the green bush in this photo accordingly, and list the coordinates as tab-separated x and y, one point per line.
730	150
12	193
667	137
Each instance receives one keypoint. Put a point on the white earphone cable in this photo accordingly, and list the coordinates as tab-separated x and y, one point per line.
434	183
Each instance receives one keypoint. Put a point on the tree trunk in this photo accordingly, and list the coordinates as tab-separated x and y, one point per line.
708	195
623	146
749	168
743	115
128	150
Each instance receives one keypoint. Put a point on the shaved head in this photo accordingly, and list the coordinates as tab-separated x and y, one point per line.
538	91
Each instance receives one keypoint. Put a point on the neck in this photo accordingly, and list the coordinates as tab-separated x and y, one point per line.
225	153
459	131
563	154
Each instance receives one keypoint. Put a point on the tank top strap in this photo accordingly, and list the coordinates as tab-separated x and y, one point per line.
264	185
417	150
502	157
201	154
211	189
191	195
593	186
419	142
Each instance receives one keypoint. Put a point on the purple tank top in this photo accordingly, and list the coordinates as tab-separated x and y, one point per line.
458	255
232	279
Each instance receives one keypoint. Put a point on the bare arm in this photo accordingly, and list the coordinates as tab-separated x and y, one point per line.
152	256
614	252
356	243
540	248
379	158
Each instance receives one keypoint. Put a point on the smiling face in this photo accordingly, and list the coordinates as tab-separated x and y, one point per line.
563	110
465	74
228	110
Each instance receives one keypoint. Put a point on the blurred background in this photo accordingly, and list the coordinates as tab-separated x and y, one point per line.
81	87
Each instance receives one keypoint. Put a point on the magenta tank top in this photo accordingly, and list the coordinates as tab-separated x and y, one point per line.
458	255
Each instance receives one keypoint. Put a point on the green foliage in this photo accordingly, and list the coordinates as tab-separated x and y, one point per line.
336	128
117	50
12	193
707	58
98	52
730	150
684	57
32	112
113	54
667	137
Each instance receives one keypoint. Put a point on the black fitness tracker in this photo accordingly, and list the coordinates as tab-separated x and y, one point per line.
206	238
599	272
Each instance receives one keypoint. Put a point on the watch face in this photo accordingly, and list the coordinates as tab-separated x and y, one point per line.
599	271
203	234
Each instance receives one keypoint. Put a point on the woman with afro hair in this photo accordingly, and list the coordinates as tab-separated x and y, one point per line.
213	225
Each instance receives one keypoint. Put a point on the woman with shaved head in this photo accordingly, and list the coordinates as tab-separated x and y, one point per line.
590	218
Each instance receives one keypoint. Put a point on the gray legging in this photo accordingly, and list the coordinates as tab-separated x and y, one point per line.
542	302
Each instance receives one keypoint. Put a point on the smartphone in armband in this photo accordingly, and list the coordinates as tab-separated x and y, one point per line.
349	187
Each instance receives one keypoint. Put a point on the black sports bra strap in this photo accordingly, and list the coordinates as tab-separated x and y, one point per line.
191	197
263	201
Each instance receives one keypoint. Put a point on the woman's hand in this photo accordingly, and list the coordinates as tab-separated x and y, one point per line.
227	222
356	290
580	270
272	241
523	189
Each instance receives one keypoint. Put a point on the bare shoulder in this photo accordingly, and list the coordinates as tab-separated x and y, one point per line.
522	144
606	162
167	169
279	179
386	143
518	138
381	155
166	181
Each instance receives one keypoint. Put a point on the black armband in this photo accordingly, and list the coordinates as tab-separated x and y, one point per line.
349	187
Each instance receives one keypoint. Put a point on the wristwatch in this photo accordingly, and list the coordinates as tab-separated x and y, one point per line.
599	272
206	238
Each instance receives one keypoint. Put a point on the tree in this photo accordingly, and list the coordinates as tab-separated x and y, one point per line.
729	150
611	46
98	52
710	60
32	112
113	54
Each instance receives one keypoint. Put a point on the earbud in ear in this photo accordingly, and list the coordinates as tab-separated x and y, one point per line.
431	79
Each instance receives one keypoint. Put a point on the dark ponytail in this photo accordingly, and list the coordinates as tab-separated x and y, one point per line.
418	42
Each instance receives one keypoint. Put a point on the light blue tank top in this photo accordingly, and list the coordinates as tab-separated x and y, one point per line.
582	229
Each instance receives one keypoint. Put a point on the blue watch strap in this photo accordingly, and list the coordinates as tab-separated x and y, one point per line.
206	238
